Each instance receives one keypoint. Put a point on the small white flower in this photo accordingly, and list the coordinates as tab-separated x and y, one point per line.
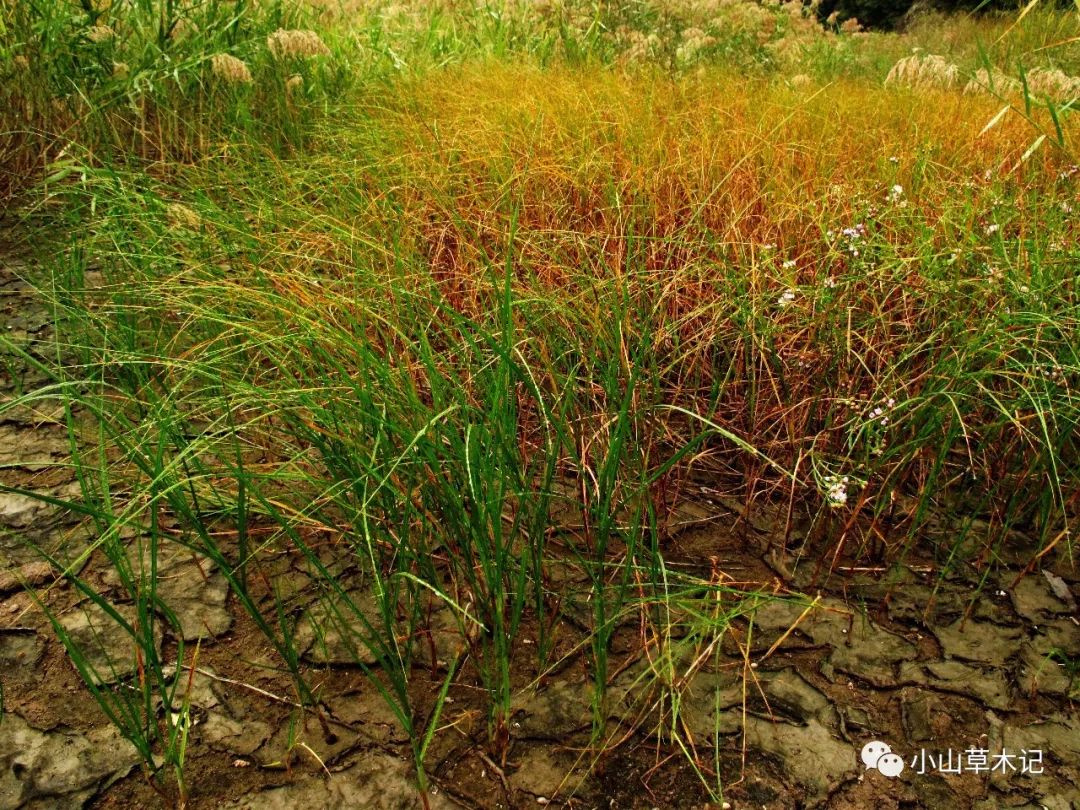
836	490
787	297
789	264
894	159
896	192
880	413
830	282
992	229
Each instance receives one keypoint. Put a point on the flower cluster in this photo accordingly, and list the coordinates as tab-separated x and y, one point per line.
1052	372
852	237
880	413
786	298
836	493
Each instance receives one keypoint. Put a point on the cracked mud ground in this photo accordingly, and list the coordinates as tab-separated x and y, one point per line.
896	655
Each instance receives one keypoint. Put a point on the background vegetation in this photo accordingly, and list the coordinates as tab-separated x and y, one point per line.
433	298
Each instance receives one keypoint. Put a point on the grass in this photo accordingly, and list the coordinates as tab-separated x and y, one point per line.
485	294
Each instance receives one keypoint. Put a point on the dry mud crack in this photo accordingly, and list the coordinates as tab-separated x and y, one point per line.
892	656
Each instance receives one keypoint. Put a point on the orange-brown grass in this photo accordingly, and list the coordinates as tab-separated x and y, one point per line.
708	170
681	226
412	310
703	200
750	162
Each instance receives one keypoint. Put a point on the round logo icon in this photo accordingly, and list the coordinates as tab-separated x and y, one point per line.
872	752
878	756
890	765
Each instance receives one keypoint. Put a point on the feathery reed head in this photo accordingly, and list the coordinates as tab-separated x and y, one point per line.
295	44
922	71
1053	84
983	81
99	34
230	69
179	216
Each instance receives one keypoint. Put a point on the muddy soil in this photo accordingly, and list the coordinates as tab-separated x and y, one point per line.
975	695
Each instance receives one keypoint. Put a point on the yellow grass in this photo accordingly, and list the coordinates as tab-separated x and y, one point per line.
750	162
